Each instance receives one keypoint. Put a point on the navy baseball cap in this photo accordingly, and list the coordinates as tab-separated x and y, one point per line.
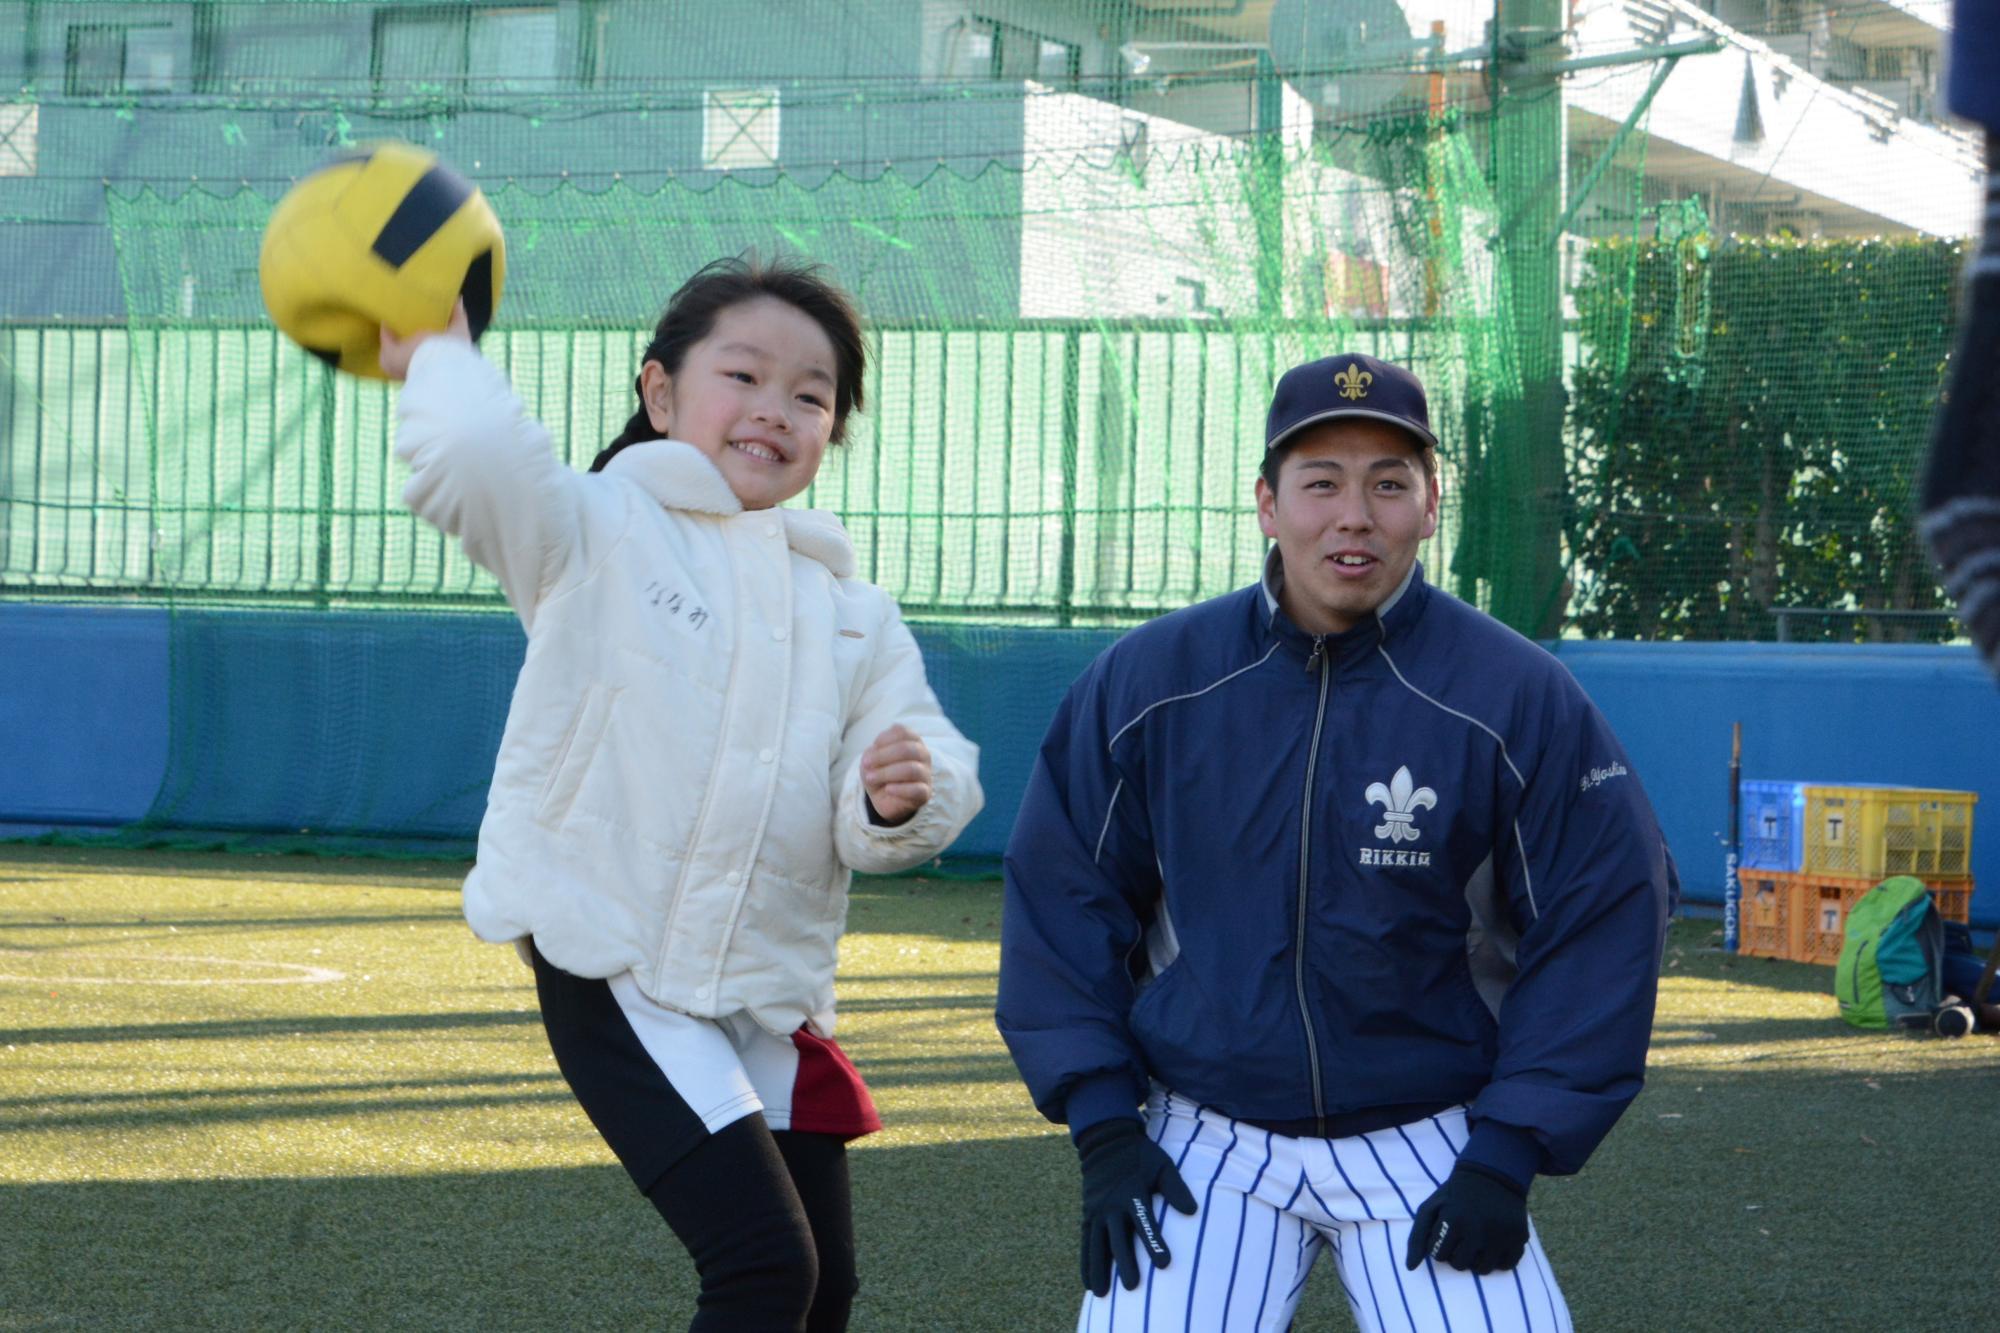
1347	385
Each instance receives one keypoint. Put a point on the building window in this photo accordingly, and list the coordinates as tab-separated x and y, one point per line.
1885	62
739	128
465	50
594	50
990	49
107	59
20	125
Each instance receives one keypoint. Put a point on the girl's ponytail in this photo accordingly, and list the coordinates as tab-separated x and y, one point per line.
640	427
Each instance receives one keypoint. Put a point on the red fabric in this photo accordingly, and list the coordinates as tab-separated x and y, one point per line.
828	1096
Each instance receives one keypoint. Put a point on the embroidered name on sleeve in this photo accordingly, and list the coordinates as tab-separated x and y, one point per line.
1597	777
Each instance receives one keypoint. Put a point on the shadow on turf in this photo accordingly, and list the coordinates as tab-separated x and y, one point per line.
1727	1199
540	1249
257	1029
157	924
1735	1212
1769	974
192	1095
427	875
915	1071
976	1000
306	1103
1739	1217
1751	1031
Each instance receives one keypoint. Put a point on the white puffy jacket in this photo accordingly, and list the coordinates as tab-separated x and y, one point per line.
678	791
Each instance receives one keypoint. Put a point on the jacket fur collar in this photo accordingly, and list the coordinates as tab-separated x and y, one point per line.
680	476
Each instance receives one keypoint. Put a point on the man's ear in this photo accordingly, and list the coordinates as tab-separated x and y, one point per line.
1267	509
656	390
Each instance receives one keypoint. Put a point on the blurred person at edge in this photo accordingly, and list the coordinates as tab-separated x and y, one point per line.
1961	486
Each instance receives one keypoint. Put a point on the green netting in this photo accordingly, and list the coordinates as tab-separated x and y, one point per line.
1087	236
1736	460
1041	468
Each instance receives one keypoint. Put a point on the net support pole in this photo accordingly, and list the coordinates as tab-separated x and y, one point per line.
1434	106
1072	410
1526	498
323	544
1266	207
1604	159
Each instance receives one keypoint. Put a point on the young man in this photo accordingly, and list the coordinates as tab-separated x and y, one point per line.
1961	489
1334	916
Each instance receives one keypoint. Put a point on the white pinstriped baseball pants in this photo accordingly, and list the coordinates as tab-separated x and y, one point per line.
1270	1204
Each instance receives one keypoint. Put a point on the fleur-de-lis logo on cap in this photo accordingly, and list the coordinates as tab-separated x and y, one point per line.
1354	382
1400	801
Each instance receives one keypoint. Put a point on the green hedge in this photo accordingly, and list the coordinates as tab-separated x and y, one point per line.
1750	418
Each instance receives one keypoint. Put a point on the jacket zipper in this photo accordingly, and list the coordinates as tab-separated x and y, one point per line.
695	838
1317	662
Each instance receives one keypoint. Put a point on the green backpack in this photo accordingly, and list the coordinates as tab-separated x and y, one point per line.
1892	956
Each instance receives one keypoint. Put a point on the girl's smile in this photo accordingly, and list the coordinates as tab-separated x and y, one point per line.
756	395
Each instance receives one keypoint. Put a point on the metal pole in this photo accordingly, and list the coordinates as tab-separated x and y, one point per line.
1268	214
1669	51
1434	105
1072	345
1732	887
1597	168
1526	494
323	564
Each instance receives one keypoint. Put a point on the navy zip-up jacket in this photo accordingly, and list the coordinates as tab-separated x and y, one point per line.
1302	879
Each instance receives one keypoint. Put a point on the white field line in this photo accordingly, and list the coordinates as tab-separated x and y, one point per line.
294	974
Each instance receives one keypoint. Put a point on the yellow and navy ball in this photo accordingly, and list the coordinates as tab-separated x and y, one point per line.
386	235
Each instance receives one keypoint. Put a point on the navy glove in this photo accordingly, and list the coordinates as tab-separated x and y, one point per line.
1122	1171
1476	1221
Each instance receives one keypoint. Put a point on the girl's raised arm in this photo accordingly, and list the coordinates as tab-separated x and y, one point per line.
481	468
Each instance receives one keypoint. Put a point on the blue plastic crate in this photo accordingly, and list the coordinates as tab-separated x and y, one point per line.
1773	828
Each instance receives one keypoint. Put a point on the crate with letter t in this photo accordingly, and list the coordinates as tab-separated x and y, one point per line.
1802	916
1874	832
1772	833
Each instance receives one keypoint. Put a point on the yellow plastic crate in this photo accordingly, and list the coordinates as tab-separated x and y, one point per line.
1875	832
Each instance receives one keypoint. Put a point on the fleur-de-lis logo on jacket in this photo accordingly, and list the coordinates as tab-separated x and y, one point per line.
1400	801
1354	382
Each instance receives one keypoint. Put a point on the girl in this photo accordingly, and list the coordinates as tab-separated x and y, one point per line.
716	723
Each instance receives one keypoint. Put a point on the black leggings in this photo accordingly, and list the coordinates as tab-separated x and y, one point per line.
768	1217
769	1220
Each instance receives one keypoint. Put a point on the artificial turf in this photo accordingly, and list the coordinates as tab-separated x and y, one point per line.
277	1092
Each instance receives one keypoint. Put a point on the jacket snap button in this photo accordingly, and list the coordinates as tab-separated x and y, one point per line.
701	993
770	529
735	877
779	635
766	756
